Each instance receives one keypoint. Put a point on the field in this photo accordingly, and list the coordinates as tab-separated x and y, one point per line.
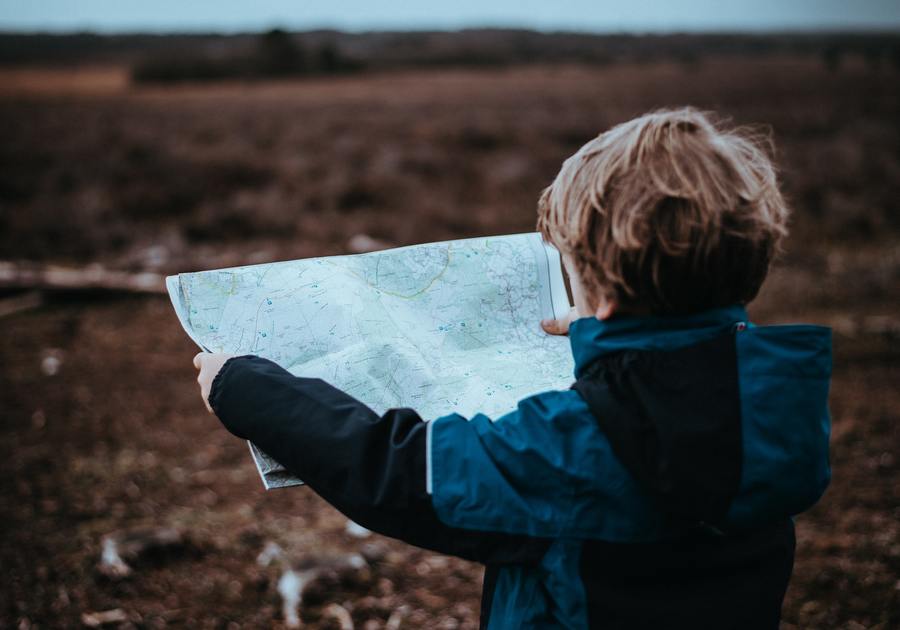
102	427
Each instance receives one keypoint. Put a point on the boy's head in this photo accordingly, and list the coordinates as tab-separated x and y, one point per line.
669	213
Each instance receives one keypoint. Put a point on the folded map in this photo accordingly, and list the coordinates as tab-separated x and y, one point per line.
441	327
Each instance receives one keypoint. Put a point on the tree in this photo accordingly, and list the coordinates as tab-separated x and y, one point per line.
278	54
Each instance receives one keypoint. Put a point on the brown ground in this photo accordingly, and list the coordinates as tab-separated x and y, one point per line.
206	176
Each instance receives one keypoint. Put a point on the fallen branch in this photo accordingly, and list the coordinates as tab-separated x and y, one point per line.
19	303
122	551
313	580
90	278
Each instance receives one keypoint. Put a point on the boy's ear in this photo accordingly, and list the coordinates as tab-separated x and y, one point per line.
606	309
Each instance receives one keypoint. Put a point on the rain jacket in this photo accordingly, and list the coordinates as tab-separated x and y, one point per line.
657	492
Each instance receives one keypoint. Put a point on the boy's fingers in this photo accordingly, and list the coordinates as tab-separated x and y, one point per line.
559	326
555	326
198	361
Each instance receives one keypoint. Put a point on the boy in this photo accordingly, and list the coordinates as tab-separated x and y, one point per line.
658	491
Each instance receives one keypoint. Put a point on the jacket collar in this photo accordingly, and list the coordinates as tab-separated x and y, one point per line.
592	338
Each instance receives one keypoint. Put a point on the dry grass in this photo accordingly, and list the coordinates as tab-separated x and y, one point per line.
94	169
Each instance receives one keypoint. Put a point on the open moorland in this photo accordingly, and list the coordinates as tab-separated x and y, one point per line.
102	429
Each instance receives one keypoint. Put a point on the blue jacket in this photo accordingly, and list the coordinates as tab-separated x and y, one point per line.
656	492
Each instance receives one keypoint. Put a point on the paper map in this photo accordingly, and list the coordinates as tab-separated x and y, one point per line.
441	327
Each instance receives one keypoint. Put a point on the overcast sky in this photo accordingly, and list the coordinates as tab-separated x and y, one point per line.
584	15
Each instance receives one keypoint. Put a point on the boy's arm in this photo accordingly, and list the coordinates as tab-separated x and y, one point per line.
372	468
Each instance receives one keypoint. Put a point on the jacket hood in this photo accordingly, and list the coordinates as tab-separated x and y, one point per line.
707	391
592	338
784	375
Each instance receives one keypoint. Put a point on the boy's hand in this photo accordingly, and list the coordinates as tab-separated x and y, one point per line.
209	364
559	326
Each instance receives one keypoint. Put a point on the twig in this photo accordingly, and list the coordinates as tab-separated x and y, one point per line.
338	612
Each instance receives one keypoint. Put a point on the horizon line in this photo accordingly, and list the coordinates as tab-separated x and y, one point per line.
822	29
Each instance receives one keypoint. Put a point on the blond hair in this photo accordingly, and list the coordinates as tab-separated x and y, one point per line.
669	213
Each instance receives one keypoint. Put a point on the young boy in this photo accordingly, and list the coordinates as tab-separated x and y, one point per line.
658	491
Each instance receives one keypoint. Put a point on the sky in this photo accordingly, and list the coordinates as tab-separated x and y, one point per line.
355	15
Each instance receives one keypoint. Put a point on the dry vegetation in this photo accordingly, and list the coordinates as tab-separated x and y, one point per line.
195	177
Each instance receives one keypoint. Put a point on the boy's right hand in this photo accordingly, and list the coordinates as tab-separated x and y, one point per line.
559	326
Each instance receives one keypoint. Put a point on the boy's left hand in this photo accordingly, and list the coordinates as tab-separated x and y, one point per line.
209	364
560	326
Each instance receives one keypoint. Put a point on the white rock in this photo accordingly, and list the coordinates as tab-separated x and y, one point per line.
356	530
290	586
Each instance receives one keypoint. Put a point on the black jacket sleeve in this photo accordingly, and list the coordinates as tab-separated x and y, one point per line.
372	468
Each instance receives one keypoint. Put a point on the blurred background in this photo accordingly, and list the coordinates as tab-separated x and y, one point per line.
138	141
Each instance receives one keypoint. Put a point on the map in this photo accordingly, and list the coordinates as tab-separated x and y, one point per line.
440	327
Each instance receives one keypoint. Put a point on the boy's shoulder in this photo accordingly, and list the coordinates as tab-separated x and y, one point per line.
544	469
552	420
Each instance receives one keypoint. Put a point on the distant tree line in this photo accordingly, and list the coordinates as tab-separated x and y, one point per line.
276	53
